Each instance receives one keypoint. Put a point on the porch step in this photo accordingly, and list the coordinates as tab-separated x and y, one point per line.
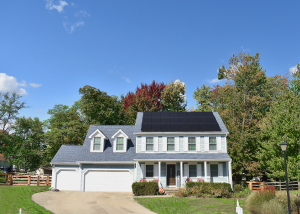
171	191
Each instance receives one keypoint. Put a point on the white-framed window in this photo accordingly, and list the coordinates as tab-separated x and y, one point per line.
120	144
97	144
212	143
214	172
149	144
170	144
192	171
192	143
149	171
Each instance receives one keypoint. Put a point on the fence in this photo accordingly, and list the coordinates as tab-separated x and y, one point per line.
293	185
25	180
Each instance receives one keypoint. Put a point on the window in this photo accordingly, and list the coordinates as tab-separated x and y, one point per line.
171	144
212	143
192	171
192	144
149	143
214	170
120	143
149	171
97	143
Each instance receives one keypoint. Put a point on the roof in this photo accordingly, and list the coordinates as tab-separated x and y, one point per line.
77	153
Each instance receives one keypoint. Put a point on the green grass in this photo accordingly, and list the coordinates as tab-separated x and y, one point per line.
191	205
12	198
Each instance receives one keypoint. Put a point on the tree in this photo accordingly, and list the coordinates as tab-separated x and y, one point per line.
242	103
100	108
281	124
295	83
145	98
10	105
26	144
202	96
173	97
65	127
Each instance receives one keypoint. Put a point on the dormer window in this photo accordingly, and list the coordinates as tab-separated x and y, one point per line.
120	141
149	144
97	141
120	144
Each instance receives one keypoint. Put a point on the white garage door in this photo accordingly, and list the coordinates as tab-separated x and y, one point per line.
67	180
108	181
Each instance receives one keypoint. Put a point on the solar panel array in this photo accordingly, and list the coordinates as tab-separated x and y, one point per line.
179	121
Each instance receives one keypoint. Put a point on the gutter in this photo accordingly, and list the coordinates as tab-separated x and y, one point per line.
185	160
180	133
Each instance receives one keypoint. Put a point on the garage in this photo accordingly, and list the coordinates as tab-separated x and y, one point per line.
108	181
68	180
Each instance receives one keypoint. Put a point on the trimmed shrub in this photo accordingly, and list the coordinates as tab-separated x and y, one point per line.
144	188
209	186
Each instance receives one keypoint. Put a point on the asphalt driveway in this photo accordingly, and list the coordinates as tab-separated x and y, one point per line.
64	202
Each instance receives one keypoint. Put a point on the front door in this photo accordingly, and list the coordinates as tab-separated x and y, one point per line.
171	179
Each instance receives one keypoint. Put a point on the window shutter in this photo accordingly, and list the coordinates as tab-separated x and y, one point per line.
102	144
177	144
155	173
125	144
164	144
143	148
186	170
219	147
199	170
185	144
223	142
206	142
155	144
198	144
220	170
208	170
143	170
115	144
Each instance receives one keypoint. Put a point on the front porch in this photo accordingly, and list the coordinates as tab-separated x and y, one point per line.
173	174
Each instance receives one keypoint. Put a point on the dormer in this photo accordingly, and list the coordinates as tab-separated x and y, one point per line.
97	141
120	141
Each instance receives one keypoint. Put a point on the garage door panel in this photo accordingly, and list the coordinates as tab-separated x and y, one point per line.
67	180
108	181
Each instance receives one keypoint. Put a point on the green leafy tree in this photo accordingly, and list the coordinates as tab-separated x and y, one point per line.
26	143
281	124
100	108
173	97
202	96
65	127
295	83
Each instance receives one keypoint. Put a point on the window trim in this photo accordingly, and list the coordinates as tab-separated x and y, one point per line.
146	171
194	170
215	150
150	144
97	133
173	144
95	143
120	143
215	164
191	143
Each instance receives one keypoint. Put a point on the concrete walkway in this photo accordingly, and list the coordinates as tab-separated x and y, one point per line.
73	202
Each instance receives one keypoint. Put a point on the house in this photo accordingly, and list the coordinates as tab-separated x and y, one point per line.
168	146
4	164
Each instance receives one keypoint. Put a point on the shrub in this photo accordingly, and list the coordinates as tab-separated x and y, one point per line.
238	188
209	186
256	199
144	188
271	207
281	197
143	180
242	194
183	192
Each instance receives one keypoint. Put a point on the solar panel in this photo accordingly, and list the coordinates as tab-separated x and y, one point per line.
179	122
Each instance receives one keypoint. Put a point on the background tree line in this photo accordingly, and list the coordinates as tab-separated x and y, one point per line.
258	111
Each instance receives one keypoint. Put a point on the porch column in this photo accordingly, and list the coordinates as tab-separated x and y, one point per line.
230	174
135	174
181	173
159	173
205	171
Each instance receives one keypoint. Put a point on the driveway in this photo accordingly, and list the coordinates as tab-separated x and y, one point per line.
64	202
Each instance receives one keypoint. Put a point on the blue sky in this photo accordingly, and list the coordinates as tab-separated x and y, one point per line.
49	49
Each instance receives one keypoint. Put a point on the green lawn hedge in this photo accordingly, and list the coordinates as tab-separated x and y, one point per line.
209	186
144	188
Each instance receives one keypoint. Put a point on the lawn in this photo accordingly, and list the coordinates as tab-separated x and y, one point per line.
191	205
12	198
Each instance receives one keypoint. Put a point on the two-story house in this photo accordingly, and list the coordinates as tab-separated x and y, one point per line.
168	146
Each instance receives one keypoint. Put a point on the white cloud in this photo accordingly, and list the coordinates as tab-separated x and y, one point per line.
82	13
293	69
71	28
38	109
10	84
23	83
35	85
215	80
126	79
59	7
244	49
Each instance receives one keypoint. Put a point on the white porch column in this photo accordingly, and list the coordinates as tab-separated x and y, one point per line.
159	173
230	174
181	174
53	183
135	171
205	171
